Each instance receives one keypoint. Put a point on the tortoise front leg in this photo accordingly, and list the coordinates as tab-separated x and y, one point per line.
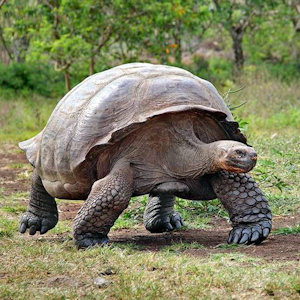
42	214
108	198
248	208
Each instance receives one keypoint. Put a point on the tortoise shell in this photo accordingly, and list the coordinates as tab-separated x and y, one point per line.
107	106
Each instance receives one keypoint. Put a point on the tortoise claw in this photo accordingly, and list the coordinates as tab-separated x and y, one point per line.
88	240
251	233
37	223
166	223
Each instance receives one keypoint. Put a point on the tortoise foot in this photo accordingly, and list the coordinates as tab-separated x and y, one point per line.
165	223
251	233
88	240
37	223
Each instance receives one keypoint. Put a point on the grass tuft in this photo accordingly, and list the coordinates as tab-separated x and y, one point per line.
287	230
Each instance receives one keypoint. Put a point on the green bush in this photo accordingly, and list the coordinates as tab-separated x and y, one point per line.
40	78
285	72
216	70
220	70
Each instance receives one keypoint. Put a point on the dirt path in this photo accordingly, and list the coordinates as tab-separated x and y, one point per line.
10	168
277	247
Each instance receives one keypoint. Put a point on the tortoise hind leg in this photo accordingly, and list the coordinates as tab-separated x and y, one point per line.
248	209
108	198
159	215
42	214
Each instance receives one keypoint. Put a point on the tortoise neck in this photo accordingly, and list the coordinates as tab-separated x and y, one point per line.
204	161
191	162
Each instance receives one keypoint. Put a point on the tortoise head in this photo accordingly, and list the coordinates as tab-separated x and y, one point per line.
235	157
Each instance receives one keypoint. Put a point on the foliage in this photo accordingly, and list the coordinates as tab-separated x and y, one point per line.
81	37
35	77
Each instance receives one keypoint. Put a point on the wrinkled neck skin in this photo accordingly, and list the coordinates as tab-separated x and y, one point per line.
194	161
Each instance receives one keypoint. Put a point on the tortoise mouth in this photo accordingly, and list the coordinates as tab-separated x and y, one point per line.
241	166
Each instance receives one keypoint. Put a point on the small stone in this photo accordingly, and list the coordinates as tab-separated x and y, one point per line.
108	271
101	282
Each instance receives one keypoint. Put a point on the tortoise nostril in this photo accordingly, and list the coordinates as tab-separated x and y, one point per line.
253	155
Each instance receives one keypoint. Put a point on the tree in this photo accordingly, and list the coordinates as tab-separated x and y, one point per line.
2	3
294	15
100	24
160	28
15	22
58	37
236	16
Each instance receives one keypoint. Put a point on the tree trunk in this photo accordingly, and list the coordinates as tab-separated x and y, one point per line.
92	64
177	39
237	34
2	2
67	80
5	45
178	51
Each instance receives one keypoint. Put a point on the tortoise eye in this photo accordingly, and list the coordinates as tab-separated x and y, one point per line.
240	152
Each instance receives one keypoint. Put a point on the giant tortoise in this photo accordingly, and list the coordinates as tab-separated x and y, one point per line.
141	129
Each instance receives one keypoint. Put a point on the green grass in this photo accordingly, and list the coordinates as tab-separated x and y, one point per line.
16	209
288	230
181	247
23	117
8	226
33	265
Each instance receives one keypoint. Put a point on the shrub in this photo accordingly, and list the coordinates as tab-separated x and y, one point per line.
40	78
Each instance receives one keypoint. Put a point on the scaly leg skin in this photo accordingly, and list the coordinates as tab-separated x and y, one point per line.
108	198
159	215
42	214
248	208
